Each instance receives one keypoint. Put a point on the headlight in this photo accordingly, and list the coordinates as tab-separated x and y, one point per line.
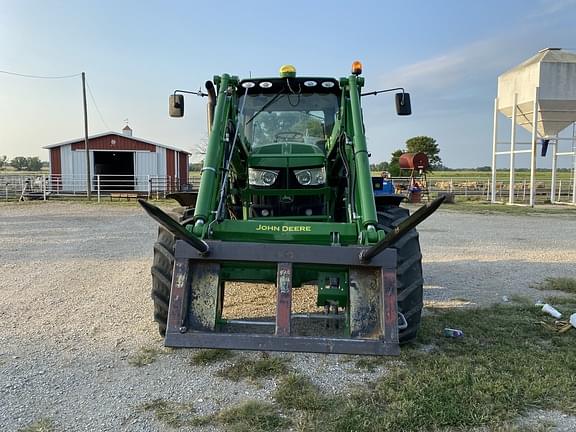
260	177
311	176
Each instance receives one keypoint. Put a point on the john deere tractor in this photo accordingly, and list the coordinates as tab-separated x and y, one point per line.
286	197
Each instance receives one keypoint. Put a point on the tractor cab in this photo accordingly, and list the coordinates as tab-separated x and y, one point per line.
285	124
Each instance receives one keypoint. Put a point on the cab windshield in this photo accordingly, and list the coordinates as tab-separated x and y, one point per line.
287	117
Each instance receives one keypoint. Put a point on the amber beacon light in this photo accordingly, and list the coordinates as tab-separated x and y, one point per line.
287	71
356	68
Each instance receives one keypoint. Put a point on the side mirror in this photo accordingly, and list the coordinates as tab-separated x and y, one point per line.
403	106
176	105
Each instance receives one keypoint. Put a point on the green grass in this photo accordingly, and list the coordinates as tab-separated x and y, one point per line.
252	416
364	363
144	356
565	284
501	175
173	414
296	392
42	425
245	417
255	369
209	356
9	170
506	364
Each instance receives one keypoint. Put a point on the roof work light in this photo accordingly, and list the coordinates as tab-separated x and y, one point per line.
287	71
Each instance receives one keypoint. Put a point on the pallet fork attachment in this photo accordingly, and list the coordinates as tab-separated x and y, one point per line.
195	292
194	299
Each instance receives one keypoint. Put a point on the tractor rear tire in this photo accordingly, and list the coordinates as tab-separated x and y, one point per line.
162	269
409	281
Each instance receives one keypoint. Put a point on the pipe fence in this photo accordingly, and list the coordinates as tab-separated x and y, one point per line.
43	187
25	187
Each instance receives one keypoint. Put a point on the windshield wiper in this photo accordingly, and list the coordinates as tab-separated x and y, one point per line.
276	97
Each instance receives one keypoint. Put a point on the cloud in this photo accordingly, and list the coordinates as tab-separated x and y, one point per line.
551	7
469	64
459	66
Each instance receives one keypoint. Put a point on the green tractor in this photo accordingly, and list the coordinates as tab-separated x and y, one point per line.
286	197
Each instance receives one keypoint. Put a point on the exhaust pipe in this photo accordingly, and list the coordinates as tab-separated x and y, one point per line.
211	105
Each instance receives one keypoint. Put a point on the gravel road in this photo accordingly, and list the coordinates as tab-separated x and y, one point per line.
75	306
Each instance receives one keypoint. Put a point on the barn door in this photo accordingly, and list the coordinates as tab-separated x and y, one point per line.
144	166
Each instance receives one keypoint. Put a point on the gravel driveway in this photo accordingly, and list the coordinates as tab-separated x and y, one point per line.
75	306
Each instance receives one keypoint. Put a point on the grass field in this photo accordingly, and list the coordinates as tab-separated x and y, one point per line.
500	175
13	171
436	175
478	175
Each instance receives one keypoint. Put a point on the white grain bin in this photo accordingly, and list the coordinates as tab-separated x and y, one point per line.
551	71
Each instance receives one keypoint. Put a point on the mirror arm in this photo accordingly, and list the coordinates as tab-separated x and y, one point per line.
197	93
374	93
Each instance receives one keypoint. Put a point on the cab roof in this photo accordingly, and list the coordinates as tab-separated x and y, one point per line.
296	85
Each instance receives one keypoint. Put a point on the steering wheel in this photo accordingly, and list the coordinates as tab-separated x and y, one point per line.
289	136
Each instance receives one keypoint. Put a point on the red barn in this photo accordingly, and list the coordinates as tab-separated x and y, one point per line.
119	161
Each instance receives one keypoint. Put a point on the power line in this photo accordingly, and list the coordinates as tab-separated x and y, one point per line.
96	105
62	77
39	76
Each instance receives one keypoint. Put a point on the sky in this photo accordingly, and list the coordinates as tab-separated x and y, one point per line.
447	54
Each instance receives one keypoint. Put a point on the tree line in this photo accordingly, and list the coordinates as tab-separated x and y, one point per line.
418	144
21	163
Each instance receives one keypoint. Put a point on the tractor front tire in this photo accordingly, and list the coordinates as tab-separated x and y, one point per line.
409	281
162	269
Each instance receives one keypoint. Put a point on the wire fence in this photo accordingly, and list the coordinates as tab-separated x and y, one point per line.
110	187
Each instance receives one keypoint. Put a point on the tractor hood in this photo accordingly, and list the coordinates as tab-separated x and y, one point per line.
287	155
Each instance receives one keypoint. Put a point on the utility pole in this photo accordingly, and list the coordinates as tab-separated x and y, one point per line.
88	188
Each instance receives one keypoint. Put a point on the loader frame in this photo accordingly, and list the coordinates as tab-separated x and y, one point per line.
194	302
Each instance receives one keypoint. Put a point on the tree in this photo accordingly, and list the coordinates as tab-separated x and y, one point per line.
34	163
428	146
20	163
380	166
394	165
3	161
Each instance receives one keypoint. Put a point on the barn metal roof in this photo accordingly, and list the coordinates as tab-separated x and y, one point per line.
117	134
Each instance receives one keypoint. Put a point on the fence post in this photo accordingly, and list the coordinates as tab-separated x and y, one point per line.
44	186
524	190
560	190
157	188
149	186
98	186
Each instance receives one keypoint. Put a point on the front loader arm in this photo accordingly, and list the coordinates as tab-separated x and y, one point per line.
211	175
364	193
